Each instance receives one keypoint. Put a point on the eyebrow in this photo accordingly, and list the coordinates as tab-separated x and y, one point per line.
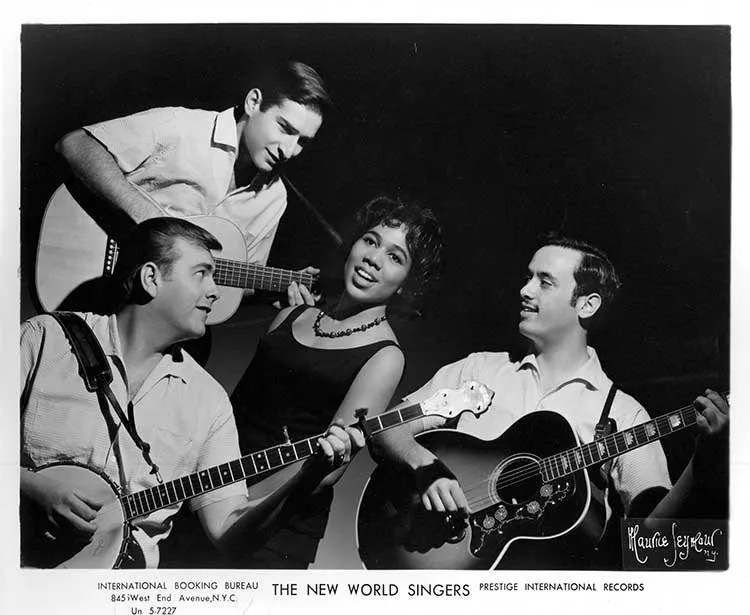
542	274
394	246
288	125
291	128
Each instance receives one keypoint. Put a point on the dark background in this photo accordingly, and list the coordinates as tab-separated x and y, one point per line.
619	135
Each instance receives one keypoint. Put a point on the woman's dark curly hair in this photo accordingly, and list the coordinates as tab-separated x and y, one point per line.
424	239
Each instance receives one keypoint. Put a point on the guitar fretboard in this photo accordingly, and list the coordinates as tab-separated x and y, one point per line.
171	492
249	275
598	451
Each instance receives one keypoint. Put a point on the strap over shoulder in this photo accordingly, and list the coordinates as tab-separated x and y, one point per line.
97	375
94	366
605	425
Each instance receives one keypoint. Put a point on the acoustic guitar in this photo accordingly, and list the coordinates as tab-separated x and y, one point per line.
112	544
529	485
74	253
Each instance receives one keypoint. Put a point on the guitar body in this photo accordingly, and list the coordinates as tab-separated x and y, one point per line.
510	502
111	545
75	256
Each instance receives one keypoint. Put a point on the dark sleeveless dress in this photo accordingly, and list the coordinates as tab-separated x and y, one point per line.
290	384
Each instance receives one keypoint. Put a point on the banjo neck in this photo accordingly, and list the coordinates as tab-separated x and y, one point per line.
471	397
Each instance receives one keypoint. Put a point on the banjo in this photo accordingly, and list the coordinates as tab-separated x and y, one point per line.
113	545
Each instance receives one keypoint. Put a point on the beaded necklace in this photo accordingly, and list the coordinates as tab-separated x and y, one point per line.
320	333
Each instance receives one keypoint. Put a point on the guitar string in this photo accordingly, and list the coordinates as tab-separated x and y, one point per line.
232	269
281	274
164	495
255	269
534	468
529	470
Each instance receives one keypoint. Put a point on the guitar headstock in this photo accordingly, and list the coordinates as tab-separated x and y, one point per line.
471	396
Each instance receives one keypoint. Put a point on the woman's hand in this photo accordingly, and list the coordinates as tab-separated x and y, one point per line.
299	294
340	444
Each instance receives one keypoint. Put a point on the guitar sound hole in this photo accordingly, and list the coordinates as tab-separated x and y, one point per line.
518	479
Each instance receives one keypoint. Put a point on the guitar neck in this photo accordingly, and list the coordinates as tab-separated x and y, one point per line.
613	445
172	492
250	275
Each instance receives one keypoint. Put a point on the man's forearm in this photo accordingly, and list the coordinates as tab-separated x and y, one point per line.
676	501
398	445
96	169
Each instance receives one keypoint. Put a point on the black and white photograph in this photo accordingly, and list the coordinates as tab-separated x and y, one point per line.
374	298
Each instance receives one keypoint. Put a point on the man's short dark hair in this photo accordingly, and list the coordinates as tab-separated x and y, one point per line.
424	239
153	240
293	81
595	273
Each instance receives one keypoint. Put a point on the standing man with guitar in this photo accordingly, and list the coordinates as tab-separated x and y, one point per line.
76	438
187	162
569	286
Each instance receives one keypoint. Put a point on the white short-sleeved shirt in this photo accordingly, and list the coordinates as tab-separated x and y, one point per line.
180	410
184	160
579	399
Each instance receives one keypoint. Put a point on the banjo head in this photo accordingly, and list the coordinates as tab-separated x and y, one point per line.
46	546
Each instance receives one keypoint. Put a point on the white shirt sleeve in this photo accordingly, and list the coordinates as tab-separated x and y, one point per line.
639	469
134	138
220	446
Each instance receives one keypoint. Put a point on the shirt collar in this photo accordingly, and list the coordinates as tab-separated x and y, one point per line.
172	363
225	135
590	372
225	130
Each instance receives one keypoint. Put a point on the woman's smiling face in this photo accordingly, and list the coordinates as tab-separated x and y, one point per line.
378	264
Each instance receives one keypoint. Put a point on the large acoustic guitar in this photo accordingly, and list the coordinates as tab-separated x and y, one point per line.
529	485
74	253
112	544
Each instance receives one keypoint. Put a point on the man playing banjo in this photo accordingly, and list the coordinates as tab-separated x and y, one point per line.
177	414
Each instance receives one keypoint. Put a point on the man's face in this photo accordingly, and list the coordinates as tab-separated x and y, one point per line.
187	291
546	311
278	133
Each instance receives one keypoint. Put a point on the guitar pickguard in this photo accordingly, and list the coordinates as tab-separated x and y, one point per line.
495	525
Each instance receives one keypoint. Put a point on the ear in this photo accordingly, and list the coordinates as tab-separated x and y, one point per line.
588	305
150	278
253	99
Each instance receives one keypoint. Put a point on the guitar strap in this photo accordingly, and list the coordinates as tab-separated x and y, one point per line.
603	428
97	374
606	425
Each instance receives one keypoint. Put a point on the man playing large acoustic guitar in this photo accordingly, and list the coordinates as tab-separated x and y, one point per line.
185	162
165	270
569	286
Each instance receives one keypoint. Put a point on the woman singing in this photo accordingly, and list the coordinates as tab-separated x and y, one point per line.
314	367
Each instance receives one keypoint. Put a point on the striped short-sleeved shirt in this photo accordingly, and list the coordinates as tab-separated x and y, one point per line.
180	410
